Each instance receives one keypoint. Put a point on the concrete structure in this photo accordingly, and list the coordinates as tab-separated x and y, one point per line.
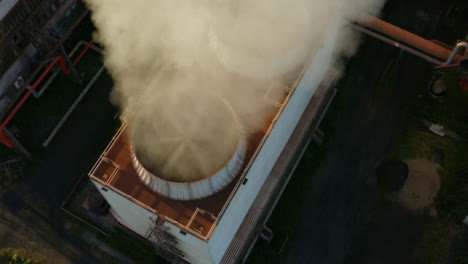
223	227
178	162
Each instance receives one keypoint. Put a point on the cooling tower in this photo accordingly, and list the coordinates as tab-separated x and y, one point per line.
262	40
186	149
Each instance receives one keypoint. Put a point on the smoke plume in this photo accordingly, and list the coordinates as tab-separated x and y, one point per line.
234	49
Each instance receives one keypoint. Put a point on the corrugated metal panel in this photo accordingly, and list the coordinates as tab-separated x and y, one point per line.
195	190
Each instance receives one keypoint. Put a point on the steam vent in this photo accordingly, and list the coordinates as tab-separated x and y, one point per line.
186	149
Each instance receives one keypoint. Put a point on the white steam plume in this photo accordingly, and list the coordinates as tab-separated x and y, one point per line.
257	40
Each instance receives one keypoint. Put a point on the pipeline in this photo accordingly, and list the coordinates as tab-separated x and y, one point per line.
397	44
30	61
401	35
70	13
38	92
58	59
26	96
84	51
34	57
459	45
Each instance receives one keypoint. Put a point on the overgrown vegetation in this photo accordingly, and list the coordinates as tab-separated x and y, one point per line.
451	202
16	256
12	165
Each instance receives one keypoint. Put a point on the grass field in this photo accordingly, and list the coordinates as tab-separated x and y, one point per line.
452	200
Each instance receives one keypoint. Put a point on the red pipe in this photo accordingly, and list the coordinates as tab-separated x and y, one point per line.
3	138
62	65
26	96
83	52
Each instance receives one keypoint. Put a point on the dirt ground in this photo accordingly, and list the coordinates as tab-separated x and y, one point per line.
422	185
26	228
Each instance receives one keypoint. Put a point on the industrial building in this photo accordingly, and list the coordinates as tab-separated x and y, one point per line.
213	214
24	25
31	35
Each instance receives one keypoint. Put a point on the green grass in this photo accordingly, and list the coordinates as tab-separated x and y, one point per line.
417	142
17	256
436	242
449	111
451	201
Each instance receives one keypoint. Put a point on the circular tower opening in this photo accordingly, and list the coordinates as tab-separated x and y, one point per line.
187	143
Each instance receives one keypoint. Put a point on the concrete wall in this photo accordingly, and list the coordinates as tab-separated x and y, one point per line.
266	159
195	250
128	213
138	219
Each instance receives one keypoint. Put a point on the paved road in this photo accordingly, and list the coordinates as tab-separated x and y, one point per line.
30	215
366	130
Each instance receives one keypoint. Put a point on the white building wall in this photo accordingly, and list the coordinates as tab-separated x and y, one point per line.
138	219
129	214
195	250
275	143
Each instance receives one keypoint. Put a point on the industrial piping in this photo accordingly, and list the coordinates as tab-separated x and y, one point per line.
457	48
61	61
26	96
409	38
38	94
84	51
397	44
